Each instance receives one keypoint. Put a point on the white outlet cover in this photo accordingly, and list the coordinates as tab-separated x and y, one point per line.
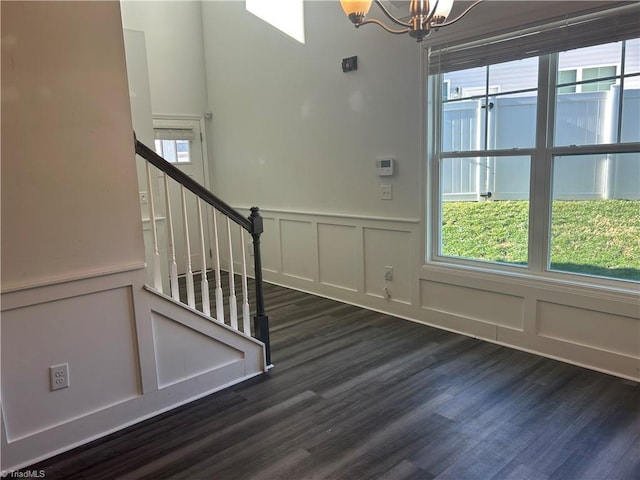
59	376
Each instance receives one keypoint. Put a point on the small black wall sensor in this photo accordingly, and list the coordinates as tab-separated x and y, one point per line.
349	64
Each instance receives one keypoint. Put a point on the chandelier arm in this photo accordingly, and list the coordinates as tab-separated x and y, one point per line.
380	24
451	22
389	16
432	12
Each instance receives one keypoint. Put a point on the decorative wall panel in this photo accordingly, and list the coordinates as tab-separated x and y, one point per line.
183	353
338	255
491	307
605	331
388	248
94	334
298	249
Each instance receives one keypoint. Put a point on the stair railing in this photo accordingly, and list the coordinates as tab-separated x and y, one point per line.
252	224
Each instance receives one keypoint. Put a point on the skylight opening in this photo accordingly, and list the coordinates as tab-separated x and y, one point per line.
285	15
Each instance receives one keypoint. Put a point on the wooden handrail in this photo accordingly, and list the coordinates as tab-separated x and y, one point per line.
190	184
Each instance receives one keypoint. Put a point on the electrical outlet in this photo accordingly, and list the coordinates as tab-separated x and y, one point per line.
143	197
386	192
388	273
59	376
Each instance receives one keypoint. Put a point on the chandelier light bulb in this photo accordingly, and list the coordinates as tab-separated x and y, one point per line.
356	9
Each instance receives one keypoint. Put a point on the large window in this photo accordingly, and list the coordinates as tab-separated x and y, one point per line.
535	161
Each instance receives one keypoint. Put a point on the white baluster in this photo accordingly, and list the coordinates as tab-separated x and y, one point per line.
233	307
219	296
206	307
173	266
157	274
246	324
191	300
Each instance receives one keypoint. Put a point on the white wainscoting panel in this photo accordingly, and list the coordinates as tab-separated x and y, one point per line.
298	249
473	303
183	353
93	333
270	245
338	258
382	248
596	329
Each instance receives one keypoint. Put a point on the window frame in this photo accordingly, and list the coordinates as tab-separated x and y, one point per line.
541	179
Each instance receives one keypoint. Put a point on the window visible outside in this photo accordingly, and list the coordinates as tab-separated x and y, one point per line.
485	198
595	213
489	143
597	236
487	230
174	151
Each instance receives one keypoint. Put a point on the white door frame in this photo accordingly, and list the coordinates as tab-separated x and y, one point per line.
165	117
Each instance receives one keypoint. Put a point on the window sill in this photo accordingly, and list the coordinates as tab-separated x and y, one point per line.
616	290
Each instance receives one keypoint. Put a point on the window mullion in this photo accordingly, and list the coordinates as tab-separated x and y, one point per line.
540	186
623	54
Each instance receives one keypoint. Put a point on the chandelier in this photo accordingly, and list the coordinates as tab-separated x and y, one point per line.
425	15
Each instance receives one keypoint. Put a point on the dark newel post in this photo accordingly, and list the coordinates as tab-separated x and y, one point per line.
261	320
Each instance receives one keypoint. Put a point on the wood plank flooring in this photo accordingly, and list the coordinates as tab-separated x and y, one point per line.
360	395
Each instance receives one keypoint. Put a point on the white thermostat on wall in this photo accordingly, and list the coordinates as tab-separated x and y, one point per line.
385	167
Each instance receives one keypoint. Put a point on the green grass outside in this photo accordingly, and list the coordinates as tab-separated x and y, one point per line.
599	237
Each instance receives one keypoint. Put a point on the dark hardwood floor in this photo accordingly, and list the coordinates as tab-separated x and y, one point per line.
356	395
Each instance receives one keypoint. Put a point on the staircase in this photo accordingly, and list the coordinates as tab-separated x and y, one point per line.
212	298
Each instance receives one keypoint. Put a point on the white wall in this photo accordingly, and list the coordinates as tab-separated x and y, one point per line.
50	183
290	130
175	52
294	135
